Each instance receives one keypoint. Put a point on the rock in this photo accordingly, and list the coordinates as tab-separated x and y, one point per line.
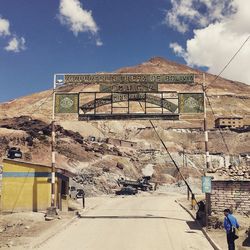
10	244
106	169
2	229
27	227
240	172
120	165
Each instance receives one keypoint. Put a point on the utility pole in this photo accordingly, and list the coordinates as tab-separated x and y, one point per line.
207	157
51	211
53	155
205	125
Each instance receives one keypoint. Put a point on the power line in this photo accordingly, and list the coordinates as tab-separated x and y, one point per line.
171	157
232	58
224	68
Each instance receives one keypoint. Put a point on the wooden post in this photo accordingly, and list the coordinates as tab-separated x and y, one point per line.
83	200
207	207
207	156
51	211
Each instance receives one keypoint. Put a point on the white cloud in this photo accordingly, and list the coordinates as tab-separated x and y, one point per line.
213	45
99	42
4	27
16	44
76	18
178	50
196	12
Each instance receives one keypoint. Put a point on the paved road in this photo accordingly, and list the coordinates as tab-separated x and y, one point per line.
132	223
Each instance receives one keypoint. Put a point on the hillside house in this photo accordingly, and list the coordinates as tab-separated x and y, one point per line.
229	122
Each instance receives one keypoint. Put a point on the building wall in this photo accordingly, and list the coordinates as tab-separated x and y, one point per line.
128	144
229	122
122	143
230	194
25	187
115	142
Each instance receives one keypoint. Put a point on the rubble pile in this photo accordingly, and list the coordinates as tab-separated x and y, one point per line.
101	148
235	173
95	181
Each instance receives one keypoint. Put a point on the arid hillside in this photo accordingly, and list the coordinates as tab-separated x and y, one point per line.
25	123
227	97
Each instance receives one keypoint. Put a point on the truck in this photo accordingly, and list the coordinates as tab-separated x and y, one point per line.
142	183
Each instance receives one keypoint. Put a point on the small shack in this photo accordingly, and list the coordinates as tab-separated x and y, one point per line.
121	143
27	186
229	122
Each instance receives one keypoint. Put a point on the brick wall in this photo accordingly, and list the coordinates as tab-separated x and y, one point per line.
230	194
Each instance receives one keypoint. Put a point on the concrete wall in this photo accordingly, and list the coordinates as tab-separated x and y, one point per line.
230	194
122	143
233	122
25	187
128	144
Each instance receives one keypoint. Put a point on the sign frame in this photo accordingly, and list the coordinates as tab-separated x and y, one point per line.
61	79
182	107
72	102
206	184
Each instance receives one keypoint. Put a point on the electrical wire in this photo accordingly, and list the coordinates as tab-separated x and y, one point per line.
214	80
170	156
232	58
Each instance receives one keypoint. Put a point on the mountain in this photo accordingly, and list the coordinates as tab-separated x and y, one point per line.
25	123
234	95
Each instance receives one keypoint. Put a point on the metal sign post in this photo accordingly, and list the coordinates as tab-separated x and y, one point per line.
206	188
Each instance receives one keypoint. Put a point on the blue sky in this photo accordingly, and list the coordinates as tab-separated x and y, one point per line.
40	38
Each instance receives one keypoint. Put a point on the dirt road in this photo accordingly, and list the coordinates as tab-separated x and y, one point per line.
132	223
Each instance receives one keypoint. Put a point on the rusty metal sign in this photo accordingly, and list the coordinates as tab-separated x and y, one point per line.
129	87
191	103
112	98
66	103
124	78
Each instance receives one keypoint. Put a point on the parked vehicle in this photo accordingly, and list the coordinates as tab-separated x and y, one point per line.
76	193
142	183
14	153
127	191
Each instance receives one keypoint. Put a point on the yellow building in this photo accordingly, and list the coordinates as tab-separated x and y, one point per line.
27	186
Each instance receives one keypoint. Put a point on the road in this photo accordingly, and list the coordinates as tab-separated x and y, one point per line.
151	222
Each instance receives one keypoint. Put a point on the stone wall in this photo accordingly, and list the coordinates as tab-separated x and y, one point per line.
230	194
121	143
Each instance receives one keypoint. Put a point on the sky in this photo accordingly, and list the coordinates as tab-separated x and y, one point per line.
41	38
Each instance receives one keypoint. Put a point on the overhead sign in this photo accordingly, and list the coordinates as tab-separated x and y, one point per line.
191	102
66	103
206	184
129	87
124	78
111	98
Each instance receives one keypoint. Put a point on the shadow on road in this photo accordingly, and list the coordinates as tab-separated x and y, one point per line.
193	225
134	217
246	243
